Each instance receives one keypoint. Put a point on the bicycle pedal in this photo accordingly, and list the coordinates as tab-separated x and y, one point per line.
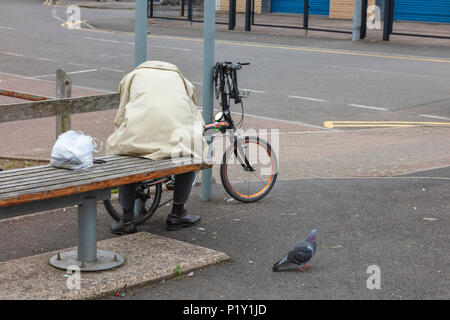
170	185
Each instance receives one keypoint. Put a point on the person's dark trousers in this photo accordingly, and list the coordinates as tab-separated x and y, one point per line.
183	187
127	196
179	217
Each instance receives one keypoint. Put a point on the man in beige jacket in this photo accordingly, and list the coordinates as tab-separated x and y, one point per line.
157	119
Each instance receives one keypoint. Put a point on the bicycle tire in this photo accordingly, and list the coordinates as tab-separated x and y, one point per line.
229	186
143	217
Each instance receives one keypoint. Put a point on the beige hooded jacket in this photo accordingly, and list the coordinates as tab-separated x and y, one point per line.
157	117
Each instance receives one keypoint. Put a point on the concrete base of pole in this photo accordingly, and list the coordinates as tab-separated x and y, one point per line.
105	260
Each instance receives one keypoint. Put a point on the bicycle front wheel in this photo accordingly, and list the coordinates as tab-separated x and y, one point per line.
249	172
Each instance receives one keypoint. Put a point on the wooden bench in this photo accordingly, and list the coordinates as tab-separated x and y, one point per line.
42	188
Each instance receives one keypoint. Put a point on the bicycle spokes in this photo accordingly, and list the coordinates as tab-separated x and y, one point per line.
250	170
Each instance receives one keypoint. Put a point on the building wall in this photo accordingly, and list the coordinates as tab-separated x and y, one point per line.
343	9
240	5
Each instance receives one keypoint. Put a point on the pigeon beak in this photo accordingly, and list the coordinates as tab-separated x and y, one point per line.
312	235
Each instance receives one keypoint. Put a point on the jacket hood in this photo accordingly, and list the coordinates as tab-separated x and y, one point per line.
154	64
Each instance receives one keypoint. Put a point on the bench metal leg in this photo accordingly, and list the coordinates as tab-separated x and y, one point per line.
87	257
87	230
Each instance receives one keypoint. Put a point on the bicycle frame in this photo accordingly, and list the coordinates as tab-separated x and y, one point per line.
225	78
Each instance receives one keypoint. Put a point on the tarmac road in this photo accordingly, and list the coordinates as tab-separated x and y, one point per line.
311	80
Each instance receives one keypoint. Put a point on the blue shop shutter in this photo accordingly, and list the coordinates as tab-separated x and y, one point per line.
321	7
422	10
288	6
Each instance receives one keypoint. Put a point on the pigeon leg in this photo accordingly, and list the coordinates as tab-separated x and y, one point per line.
301	269
307	265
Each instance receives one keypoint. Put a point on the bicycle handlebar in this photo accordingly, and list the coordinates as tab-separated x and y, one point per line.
233	66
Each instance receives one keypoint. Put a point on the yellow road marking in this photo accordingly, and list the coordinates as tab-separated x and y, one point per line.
335	124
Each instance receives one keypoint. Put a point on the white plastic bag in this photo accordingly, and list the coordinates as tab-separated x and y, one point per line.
73	150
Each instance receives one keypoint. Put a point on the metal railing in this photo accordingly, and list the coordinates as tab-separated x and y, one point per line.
184	10
304	15
399	24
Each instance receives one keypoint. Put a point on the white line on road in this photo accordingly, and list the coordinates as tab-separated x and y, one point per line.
171	48
45	59
12	54
254	91
291	122
77	64
307	98
434	117
132	43
107	40
251	90
367	107
78	86
113	70
82	71
7	28
53	74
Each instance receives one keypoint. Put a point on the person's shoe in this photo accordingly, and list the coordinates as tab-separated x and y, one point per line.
177	222
122	228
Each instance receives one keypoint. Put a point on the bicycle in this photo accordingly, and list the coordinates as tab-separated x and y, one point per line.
239	162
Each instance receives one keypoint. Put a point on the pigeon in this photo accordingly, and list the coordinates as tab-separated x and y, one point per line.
299	255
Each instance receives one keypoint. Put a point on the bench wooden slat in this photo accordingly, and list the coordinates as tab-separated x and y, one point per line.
57	173
105	179
4	175
80	182
81	175
55	177
103	182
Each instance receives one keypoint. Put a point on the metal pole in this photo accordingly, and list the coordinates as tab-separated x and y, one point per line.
248	15
387	20
306	16
253	11
232	14
189	10
182	9
363	32
356	34
391	16
209	34
140	32
150	8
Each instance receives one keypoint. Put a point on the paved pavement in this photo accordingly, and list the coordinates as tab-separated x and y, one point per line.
398	224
